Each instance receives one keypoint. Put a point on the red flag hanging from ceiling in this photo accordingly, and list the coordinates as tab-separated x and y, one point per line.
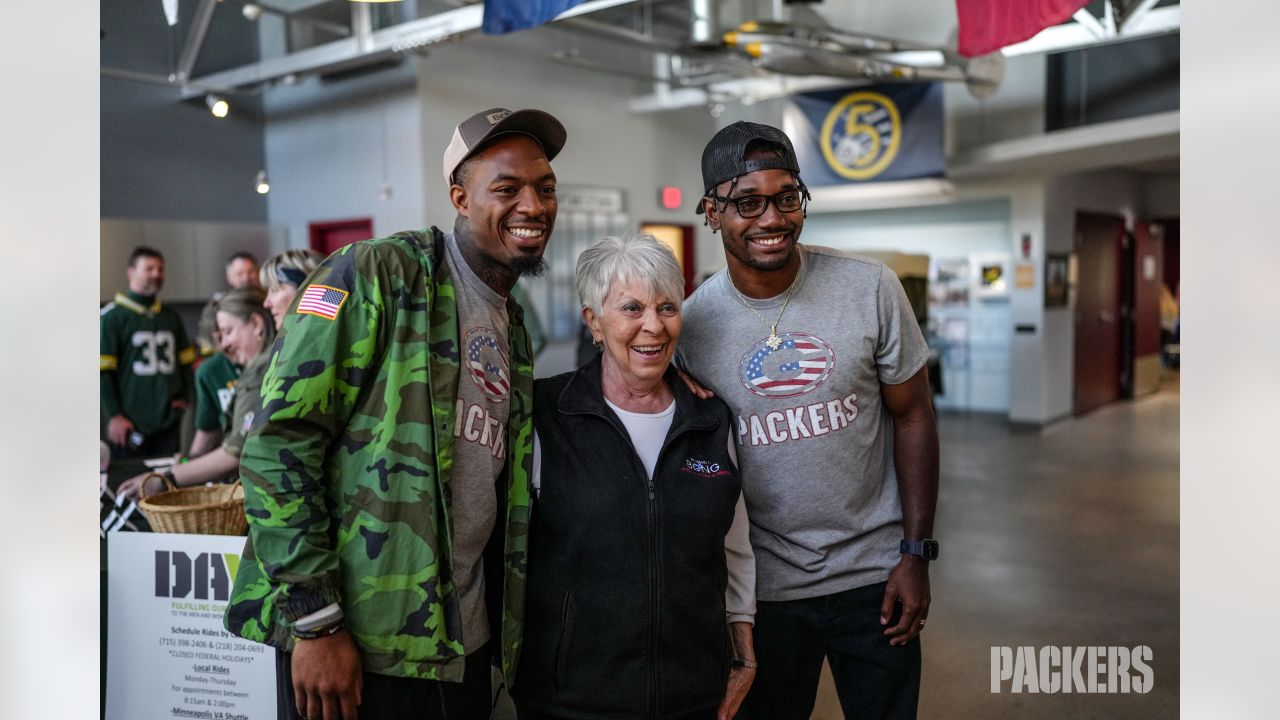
988	25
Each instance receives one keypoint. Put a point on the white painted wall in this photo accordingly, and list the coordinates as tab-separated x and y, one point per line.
953	229
330	146
1110	192
325	154
1015	110
957	229
607	145
1033	356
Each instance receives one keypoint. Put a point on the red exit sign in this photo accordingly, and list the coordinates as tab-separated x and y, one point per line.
671	197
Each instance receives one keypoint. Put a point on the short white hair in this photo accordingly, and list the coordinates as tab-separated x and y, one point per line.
639	258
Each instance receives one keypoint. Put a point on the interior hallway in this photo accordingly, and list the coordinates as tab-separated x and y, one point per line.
1066	535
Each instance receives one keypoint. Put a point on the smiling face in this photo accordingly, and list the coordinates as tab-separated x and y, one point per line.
639	328
278	300
765	243
506	209
240	339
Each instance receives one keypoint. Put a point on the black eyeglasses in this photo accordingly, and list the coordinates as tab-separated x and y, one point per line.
750	206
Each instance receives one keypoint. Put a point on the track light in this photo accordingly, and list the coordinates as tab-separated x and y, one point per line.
260	183
217	105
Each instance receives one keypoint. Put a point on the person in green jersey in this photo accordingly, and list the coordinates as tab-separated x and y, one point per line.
215	384
144	365
246	331
387	476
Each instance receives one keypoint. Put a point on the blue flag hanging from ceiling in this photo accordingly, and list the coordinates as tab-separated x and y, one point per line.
869	133
504	16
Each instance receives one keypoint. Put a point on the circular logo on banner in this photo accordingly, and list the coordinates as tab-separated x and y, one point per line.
861	135
800	364
486	364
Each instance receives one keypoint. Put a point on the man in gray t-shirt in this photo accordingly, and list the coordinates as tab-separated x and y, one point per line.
821	359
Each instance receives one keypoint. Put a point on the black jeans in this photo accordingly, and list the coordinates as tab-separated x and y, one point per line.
872	678
531	715
396	698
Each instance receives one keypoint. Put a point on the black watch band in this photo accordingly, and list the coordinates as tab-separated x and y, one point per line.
927	548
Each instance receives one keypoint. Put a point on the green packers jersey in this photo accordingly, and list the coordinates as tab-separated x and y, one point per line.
144	362
215	385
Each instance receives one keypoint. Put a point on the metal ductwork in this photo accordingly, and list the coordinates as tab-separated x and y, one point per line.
792	49
704	23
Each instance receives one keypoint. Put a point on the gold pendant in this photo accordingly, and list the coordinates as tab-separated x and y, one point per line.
774	342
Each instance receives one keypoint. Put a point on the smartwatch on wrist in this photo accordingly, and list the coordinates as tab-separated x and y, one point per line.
927	548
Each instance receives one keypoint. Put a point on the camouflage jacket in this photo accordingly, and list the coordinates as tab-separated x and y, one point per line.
346	474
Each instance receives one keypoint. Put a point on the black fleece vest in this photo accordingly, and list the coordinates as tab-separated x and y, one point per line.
625	612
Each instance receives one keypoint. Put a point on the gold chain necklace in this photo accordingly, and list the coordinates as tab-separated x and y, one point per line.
774	342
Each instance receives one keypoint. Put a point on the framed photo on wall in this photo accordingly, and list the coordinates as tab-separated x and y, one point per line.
993	278
1055	280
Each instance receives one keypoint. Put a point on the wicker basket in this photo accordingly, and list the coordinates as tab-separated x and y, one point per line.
201	510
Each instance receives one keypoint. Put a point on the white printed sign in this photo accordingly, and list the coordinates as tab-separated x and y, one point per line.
168	655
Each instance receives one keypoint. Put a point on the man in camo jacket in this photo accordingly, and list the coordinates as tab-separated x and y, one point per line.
386	479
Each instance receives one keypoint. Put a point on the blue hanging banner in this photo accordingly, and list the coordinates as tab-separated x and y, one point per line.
869	134
505	16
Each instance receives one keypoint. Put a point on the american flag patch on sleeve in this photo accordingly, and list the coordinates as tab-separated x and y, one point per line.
321	300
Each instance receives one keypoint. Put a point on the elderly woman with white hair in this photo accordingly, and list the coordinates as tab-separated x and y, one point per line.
641	589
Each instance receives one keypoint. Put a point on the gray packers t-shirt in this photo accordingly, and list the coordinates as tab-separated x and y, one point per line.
815	443
480	436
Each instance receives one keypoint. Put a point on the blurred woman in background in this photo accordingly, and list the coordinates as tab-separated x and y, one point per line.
247	322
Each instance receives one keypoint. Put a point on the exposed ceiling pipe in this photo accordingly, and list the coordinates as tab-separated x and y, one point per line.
195	38
190	89
793	49
344	54
289	16
362	26
704	23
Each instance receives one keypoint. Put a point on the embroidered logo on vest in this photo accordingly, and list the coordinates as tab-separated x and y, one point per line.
703	468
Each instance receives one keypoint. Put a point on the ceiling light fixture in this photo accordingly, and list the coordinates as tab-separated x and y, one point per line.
251	12
375	1
260	183
217	105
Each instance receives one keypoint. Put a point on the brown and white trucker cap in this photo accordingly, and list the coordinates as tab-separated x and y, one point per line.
472	133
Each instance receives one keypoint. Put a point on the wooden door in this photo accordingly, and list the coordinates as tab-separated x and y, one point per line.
329	236
680	239
1148	276
1100	286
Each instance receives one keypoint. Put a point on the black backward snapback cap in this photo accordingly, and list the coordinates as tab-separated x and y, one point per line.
723	157
478	129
